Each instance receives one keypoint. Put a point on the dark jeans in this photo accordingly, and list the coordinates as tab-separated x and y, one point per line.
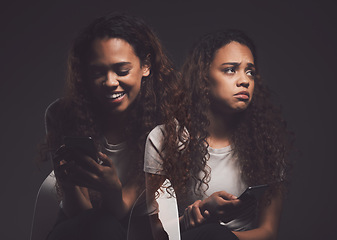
209	231
96	224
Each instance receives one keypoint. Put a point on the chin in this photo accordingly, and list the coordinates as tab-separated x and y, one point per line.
240	108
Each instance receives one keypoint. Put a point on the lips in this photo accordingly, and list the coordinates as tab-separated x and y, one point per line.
243	95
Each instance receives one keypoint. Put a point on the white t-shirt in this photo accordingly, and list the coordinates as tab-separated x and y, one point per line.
225	175
122	160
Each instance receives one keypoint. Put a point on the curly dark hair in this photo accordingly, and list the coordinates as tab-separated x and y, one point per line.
78	113
260	137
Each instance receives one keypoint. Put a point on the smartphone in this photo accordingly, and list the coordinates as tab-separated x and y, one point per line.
254	192
84	144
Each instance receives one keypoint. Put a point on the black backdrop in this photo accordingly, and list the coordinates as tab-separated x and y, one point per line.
296	48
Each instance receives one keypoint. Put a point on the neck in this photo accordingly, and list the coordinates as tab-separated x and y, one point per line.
114	127
220	129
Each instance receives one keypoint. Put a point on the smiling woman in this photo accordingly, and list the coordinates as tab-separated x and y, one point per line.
115	72
115	93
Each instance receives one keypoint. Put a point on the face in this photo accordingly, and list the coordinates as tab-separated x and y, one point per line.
115	72
232	74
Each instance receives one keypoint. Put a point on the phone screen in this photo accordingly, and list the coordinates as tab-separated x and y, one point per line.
254	192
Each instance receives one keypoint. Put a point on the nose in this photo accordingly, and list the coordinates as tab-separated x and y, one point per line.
111	80
243	80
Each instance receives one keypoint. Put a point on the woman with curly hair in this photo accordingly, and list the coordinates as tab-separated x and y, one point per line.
116	90
225	137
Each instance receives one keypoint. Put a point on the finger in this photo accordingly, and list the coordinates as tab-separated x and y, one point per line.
196	214
188	221
206	214
82	177
86	162
227	196
59	155
106	161
62	171
91	164
191	219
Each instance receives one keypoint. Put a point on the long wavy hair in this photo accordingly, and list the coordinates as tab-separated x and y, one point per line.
260	137
77	114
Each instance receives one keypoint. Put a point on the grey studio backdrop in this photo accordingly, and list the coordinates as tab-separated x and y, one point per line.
297	55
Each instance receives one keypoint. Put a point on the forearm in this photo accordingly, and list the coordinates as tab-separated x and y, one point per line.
268	221
75	200
115	204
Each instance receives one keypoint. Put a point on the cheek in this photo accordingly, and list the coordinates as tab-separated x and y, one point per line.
252	90
135	87
223	89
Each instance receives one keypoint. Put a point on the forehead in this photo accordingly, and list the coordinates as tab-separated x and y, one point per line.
112	50
233	52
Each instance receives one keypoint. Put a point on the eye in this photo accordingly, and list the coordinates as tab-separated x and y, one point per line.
251	73
229	70
122	73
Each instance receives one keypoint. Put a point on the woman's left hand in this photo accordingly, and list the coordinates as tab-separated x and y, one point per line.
86	172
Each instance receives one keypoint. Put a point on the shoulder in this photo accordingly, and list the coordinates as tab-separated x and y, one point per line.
157	134
153	158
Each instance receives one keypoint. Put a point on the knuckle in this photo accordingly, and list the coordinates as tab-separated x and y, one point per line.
95	177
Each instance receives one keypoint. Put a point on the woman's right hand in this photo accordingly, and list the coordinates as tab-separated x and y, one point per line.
222	206
193	216
74	198
63	164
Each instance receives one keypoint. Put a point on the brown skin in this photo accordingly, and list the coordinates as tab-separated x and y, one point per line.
231	74
113	69
225	89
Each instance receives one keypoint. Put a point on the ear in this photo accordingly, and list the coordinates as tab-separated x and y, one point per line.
146	66
146	70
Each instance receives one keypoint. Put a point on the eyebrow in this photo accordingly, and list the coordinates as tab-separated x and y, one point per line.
114	65
238	64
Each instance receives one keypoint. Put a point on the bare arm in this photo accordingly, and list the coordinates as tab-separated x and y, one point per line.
100	177
268	222
75	199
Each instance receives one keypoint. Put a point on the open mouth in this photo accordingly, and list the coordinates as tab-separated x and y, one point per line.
115	96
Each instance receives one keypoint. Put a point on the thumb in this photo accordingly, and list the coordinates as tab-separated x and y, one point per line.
227	196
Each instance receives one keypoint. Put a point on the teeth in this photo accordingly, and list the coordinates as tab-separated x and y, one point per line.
115	95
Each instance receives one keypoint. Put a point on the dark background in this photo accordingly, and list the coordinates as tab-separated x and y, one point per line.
297	54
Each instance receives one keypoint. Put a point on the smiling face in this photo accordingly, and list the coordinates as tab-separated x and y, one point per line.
232	74
115	74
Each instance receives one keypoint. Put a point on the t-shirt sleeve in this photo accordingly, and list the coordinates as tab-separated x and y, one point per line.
153	161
